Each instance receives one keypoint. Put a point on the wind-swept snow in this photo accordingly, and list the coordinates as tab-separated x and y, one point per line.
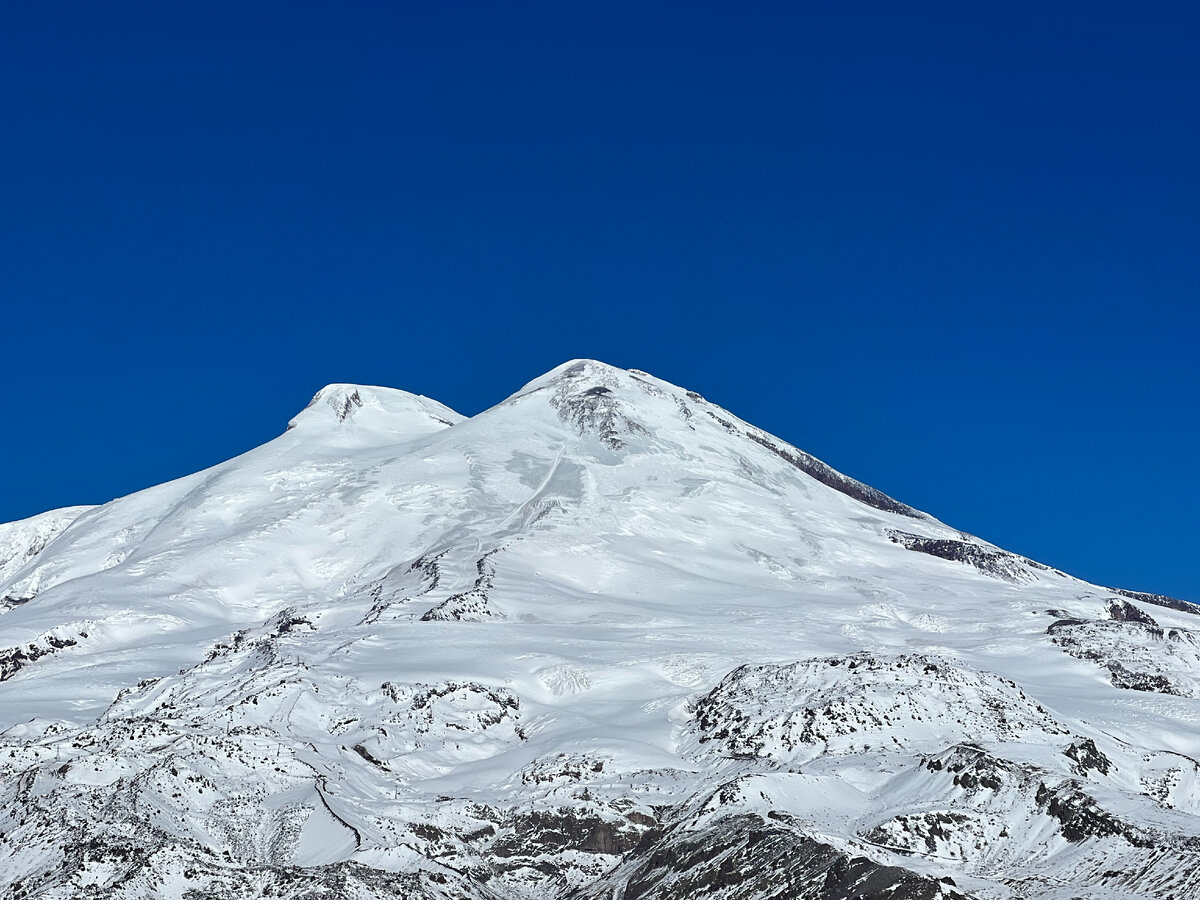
603	639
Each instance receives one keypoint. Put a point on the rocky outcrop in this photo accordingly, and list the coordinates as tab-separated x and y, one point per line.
851	704
471	605
1137	653
988	560
747	857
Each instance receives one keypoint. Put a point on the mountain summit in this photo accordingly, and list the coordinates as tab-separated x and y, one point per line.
602	640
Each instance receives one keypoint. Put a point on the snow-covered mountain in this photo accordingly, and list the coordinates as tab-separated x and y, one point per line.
603	640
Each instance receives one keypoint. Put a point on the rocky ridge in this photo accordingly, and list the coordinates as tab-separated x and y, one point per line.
604	640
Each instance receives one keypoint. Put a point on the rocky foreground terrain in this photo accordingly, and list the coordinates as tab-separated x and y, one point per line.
603	640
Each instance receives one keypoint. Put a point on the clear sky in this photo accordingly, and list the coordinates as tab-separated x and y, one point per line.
951	249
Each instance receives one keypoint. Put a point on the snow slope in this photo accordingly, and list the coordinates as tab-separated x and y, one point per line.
22	542
604	639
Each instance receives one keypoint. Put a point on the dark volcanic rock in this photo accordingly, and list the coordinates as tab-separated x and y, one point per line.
594	409
1133	648
1080	817
537	833
1159	600
14	659
1120	611
745	857
472	605
1153	682
831	477
1087	757
843	703
990	561
975	770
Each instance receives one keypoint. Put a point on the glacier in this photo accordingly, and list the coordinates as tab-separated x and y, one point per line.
602	640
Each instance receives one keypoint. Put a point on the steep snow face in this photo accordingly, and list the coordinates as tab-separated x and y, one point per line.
22	542
568	646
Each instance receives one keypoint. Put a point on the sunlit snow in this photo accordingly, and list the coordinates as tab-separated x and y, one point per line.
487	656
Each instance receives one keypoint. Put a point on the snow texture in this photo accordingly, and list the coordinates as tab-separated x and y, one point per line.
602	640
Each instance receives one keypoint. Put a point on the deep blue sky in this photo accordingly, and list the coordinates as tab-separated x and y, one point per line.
954	251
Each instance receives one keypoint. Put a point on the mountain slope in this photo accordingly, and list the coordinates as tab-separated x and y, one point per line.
22	542
604	639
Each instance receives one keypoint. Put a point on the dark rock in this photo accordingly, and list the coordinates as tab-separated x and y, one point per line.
1081	817
471	605
1087	757
366	754
745	857
830	477
596	410
1131	646
1064	624
342	410
537	833
14	659
997	563
975	770
1121	611
1152	682
1159	600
